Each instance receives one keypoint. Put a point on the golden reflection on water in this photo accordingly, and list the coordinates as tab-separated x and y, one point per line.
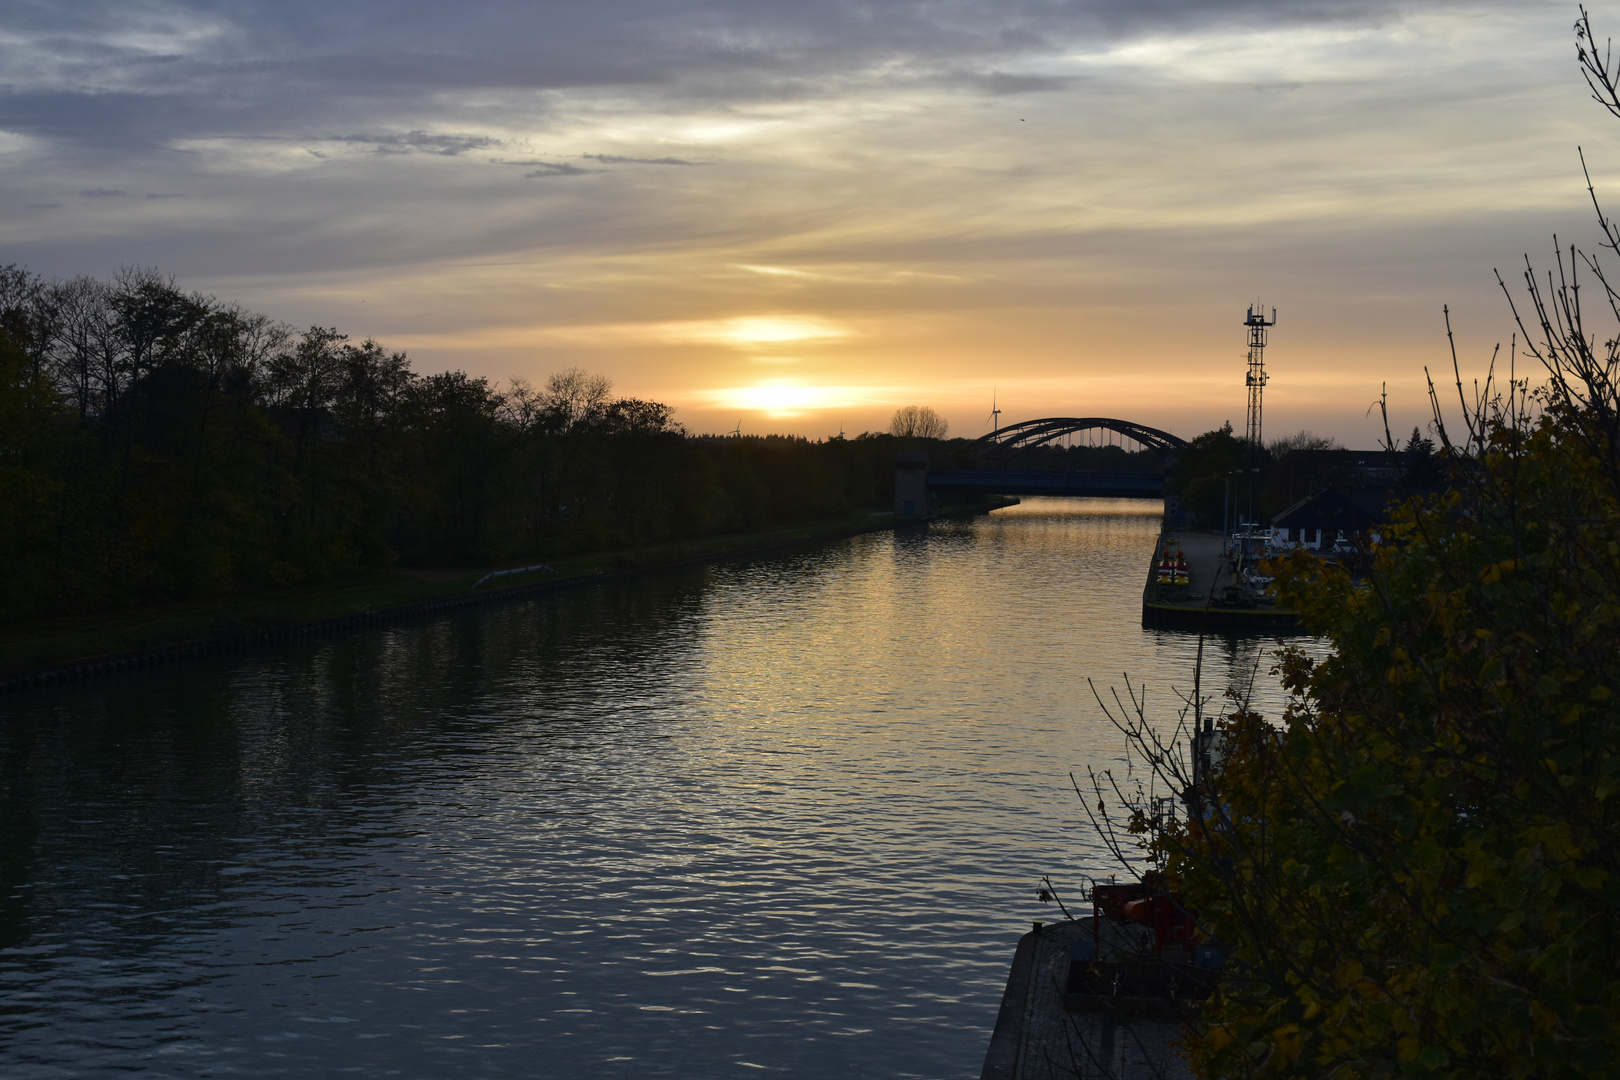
953	660
1037	506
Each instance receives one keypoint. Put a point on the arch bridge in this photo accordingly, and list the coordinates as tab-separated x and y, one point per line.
1007	442
1032	433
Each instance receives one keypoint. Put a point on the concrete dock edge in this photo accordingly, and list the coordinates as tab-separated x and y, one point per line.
1001	1059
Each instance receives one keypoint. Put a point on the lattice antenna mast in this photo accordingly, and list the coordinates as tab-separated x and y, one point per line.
1257	324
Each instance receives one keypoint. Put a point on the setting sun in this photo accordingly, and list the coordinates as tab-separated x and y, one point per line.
779	398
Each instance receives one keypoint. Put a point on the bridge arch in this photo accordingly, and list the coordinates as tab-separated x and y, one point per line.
1040	432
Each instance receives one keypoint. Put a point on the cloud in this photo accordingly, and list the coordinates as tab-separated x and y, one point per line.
102	74
550	168
446	145
753	331
164	195
1003	83
103	193
615	159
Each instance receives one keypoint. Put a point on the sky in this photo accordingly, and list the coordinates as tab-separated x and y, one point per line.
793	217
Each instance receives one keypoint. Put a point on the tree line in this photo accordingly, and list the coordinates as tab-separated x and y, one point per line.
158	444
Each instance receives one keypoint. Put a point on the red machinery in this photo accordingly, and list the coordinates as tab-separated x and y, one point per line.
1146	902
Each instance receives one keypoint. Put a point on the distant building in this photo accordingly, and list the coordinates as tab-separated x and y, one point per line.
1369	479
1357	468
1329	520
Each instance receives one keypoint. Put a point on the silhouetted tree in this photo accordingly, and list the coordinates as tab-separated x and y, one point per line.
1203	474
918	422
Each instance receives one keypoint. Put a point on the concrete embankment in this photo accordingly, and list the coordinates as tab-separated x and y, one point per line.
238	634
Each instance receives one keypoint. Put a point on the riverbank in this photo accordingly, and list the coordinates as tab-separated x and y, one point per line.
75	648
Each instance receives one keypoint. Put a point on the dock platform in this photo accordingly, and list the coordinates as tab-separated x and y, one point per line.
1190	606
1038	1036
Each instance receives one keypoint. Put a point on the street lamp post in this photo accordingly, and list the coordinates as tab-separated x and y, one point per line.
1226	499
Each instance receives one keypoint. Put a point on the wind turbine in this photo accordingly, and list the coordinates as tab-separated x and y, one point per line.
736	432
995	421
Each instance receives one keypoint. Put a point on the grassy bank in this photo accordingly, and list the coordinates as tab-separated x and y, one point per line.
58	643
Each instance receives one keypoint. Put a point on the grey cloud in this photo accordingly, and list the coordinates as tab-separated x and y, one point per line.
164	195
105	74
1006	83
552	168
103	193
615	159
108	120
422	141
43	206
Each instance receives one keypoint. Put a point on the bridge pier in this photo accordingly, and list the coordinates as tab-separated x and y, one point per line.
911	483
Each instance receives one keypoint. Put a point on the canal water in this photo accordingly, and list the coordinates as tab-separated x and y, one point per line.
774	817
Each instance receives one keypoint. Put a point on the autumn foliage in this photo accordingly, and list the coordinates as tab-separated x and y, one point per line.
1420	869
